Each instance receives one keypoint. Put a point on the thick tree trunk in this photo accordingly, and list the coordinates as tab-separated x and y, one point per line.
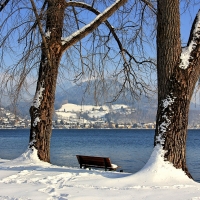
42	110
172	120
168	42
43	106
176	82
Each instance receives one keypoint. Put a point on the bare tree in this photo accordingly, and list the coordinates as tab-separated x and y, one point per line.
49	22
53	47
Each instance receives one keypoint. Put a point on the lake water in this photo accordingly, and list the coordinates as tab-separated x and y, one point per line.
128	148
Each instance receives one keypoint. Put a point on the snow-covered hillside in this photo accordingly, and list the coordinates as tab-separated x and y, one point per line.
72	110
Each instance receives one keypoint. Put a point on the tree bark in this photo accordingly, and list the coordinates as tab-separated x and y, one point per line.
176	82
43	106
52	48
172	119
168	42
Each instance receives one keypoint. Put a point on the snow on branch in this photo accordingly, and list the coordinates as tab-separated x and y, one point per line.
111	28
187	53
3	5
78	35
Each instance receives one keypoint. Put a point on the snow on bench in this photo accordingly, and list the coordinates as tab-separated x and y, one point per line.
96	162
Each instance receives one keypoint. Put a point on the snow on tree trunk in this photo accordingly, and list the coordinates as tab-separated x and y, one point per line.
42	110
43	105
54	45
178	72
172	121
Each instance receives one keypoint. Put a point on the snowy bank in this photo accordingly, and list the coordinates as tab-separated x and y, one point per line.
29	178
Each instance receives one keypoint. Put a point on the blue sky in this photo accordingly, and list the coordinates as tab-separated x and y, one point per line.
186	22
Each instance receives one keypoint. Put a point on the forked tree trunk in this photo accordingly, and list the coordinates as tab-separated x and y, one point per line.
43	106
176	82
42	110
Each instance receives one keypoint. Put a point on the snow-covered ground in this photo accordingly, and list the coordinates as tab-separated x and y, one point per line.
28	178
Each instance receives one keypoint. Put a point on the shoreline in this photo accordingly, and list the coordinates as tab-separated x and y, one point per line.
92	128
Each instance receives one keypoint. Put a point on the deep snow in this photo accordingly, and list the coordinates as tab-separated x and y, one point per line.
29	178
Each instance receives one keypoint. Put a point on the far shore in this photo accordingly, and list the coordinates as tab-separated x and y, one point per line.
92	128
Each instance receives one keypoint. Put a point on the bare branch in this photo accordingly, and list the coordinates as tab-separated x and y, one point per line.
150	6
112	30
41	31
35	24
78	35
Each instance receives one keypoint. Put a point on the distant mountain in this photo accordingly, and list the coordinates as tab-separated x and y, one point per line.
87	93
99	93
22	109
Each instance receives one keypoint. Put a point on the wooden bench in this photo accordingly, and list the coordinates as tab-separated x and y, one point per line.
96	162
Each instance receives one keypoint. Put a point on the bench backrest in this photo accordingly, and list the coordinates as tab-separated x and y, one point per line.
93	160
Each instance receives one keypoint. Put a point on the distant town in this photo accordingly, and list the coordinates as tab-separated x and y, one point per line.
10	120
72	116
